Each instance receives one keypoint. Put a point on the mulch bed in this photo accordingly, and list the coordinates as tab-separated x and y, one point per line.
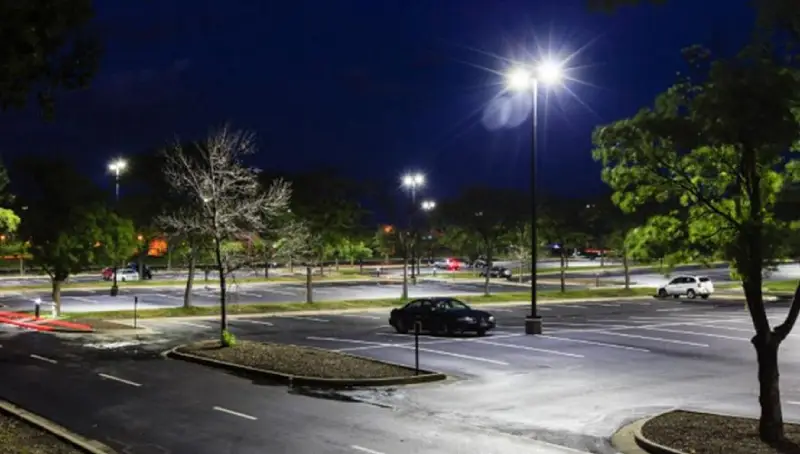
19	437
702	433
297	360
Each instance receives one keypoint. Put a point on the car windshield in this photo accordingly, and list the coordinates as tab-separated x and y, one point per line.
704	279
451	305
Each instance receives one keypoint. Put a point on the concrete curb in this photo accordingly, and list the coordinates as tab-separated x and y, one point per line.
300	381
84	444
630	440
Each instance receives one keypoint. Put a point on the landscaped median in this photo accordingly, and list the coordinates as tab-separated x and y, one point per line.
688	432
300	366
24	432
544	297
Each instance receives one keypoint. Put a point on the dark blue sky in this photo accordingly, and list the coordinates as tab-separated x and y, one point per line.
372	87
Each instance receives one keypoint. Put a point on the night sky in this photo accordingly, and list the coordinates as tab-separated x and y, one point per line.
373	87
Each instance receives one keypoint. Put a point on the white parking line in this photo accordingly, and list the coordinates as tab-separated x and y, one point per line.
497	309
533	349
793	403
121	380
311	319
42	358
256	322
407	347
658	339
368	317
575	306
195	325
82	299
251	294
676	309
599	344
693	333
607	305
366	450
282	292
599	324
235	413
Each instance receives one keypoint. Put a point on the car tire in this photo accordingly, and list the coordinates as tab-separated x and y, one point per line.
676	296
481	332
691	294
705	297
400	327
662	293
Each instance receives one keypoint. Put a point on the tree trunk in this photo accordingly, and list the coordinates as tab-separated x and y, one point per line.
404	296
602	259
309	286
563	274
56	296
488	269
291	265
140	262
770	426
223	304
266	267
187	293
626	269
169	257
336	260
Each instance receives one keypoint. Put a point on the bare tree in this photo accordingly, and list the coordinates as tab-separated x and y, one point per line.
224	201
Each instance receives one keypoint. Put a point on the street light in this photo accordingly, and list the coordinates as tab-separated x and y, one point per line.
412	182
428	205
521	80
117	167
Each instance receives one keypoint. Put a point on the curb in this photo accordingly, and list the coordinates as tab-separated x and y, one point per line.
630	440
84	444
299	381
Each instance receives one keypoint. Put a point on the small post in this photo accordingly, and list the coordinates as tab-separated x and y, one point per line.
37	305
135	312
309	296
597	279
417	328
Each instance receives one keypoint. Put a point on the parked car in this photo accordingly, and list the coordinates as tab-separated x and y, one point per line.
691	286
441	316
108	272
449	264
147	273
497	271
127	274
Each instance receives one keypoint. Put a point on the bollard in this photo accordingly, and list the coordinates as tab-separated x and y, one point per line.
37	305
597	279
135	312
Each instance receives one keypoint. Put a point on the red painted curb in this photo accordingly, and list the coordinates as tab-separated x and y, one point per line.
65	324
32	326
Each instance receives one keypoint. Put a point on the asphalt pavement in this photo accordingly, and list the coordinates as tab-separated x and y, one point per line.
247	293
598	366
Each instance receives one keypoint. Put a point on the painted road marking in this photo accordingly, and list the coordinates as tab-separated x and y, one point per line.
369	317
195	325
121	380
164	295
677	309
257	322
533	349
496	309
311	319
694	333
793	403
407	347
658	339
82	299
235	413
282	292
366	450
599	344
251	294
42	358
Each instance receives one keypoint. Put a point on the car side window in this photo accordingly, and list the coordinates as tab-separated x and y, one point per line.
690	280
677	280
414	304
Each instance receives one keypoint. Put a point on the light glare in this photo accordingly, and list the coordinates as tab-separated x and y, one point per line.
550	73
519	79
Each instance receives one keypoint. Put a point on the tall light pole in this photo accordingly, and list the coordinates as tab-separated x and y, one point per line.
427	206
524	79
412	182
116	167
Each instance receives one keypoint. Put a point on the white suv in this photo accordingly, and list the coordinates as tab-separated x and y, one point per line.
691	286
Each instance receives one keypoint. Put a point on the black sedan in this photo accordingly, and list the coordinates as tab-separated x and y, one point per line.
441	316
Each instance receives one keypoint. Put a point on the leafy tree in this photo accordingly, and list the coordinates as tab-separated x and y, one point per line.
46	47
718	142
294	242
352	250
461	241
385	241
487	213
562	221
116	236
59	221
519	240
224	200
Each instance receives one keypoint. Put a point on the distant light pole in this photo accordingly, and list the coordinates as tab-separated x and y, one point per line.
412	182
524	79
116	167
427	206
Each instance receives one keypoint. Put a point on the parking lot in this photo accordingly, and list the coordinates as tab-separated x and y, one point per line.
613	333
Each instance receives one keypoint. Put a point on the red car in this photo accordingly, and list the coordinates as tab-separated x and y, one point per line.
108	273
447	264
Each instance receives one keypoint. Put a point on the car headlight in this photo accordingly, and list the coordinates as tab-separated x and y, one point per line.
466	320
491	318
